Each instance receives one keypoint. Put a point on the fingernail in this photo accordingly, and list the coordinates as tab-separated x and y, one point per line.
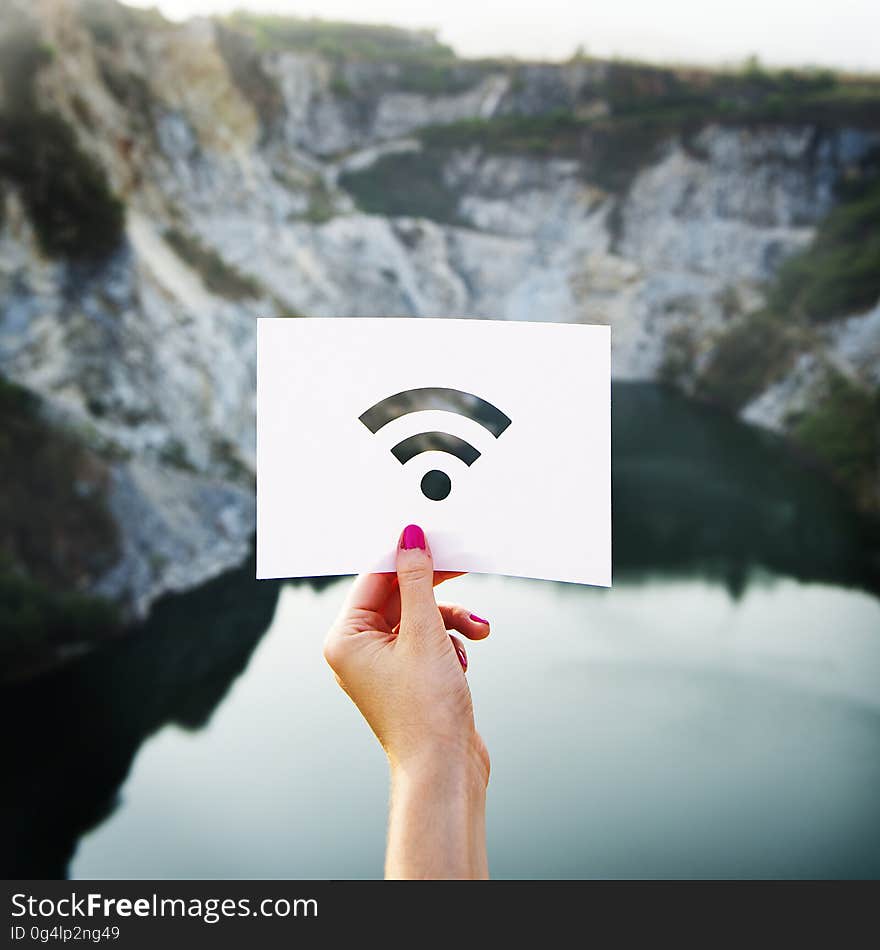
477	619
412	537
462	657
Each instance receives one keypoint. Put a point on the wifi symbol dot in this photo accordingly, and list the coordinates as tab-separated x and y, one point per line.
435	484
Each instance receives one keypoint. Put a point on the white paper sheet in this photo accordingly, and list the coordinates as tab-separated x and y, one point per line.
332	497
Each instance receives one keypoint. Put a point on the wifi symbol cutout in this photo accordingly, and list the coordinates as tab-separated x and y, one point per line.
435	484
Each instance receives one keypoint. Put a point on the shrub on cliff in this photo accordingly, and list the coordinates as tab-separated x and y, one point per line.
836	275
839	273
64	190
408	183
36	622
56	536
748	358
843	429
55	526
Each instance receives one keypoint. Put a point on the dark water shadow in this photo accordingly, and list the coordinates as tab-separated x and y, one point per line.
71	735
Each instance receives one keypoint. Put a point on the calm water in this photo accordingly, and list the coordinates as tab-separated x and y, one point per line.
716	713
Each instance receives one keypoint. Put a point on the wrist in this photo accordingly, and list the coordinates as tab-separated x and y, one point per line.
444	766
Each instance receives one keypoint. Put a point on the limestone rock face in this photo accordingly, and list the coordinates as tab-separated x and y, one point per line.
234	211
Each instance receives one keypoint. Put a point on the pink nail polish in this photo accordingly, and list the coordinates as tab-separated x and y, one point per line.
462	657
412	537
477	619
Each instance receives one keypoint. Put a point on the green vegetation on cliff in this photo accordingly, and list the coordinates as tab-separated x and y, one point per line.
836	275
839	273
339	40
54	522
56	534
65	191
631	114
843	429
754	352
616	143
408	183
610	152
416	60
37	622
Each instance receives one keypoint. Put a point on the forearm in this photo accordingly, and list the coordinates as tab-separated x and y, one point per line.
437	824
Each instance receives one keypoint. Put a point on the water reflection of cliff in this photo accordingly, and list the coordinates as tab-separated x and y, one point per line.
77	729
698	493
695	494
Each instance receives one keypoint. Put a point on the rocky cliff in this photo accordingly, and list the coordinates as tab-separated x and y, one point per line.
217	172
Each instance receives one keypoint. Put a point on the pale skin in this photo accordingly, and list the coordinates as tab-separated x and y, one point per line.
393	655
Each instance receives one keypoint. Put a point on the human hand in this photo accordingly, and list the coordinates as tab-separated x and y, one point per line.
392	654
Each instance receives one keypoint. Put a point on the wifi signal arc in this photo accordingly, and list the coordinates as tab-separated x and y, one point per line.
436	397
435	442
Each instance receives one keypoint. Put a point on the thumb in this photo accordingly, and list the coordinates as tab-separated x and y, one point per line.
419	614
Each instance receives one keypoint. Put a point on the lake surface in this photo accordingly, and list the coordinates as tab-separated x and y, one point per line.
717	713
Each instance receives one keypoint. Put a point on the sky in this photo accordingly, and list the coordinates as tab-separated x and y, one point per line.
841	33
